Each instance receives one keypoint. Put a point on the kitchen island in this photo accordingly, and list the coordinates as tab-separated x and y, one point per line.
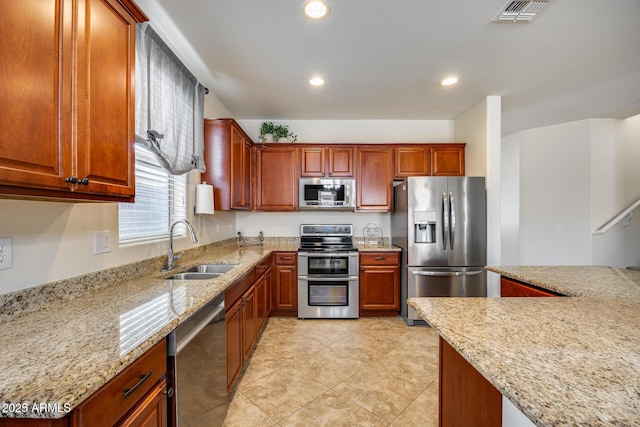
63	341
560	361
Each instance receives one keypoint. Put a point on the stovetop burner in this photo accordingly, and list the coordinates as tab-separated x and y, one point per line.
326	238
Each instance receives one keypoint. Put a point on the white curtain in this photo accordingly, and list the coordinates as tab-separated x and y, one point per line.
169	105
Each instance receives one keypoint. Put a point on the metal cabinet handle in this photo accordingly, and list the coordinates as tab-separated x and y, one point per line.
143	378
379	258
74	180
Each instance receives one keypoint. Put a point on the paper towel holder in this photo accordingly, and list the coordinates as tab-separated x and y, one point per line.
204	200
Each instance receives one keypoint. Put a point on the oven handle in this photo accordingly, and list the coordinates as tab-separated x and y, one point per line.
328	279
328	254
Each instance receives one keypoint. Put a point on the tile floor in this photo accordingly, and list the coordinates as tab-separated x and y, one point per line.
365	372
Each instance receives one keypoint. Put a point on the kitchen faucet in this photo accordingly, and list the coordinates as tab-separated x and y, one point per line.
171	257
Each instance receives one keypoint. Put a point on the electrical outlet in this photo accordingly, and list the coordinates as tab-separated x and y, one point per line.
101	242
557	229
6	253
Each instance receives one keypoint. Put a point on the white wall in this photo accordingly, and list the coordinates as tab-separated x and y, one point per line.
554	192
361	131
577	176
510	203
480	128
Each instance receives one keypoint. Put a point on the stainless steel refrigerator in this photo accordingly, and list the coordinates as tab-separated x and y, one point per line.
440	224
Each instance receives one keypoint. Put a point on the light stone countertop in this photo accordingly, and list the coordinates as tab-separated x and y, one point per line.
75	342
562	361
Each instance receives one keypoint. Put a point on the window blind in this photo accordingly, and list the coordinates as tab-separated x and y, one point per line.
160	199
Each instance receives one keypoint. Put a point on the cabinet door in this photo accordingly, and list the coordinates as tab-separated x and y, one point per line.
35	81
340	161
312	161
261	302
277	179
512	288
466	397
105	98
411	161
151	411
447	161
249	322
233	331
240	171
379	282
285	285
374	179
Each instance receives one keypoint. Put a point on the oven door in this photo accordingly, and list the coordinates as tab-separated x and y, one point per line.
328	264
328	297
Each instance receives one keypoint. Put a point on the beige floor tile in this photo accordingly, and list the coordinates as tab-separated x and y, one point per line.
365	348
328	366
262	363
419	368
283	392
422	412
333	410
379	392
244	413
378	370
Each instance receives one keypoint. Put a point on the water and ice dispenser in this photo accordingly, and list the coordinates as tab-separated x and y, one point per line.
425	226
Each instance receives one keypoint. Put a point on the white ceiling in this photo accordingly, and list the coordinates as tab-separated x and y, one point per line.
384	59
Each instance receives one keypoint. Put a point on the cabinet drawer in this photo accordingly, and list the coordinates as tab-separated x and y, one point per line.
286	258
380	258
120	394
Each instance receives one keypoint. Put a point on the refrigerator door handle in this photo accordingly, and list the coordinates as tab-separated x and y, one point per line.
452	218
445	221
447	273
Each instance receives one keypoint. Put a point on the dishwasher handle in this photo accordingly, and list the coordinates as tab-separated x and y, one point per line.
447	273
176	345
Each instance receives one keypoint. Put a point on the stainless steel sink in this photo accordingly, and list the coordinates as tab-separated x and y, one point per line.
194	276
211	268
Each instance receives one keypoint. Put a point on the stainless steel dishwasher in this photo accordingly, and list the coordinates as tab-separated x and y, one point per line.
197	369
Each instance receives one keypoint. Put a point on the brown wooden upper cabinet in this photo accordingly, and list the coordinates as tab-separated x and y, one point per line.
429	160
323	161
412	161
277	178
447	161
374	181
68	120
227	153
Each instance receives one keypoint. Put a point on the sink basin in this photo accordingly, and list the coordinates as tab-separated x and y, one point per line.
194	276
211	268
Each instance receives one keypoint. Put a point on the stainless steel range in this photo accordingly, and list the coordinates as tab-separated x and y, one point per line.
327	272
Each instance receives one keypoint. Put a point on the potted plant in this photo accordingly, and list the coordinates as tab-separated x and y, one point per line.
267	131
281	132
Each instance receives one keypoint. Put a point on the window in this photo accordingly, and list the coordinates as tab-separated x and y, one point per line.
160	199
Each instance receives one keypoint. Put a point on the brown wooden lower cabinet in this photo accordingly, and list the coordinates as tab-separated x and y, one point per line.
249	304
466	397
285	284
379	283
152	411
514	288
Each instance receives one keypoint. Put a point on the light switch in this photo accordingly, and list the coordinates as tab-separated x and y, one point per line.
557	229
101	242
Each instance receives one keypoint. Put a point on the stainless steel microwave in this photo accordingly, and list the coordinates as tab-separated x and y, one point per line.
328	193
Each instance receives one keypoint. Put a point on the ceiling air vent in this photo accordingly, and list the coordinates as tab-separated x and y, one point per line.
520	10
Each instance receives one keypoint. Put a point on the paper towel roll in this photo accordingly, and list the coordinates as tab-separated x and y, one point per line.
204	199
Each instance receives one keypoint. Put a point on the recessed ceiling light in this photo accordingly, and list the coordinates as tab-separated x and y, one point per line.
316	81
449	81
316	9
